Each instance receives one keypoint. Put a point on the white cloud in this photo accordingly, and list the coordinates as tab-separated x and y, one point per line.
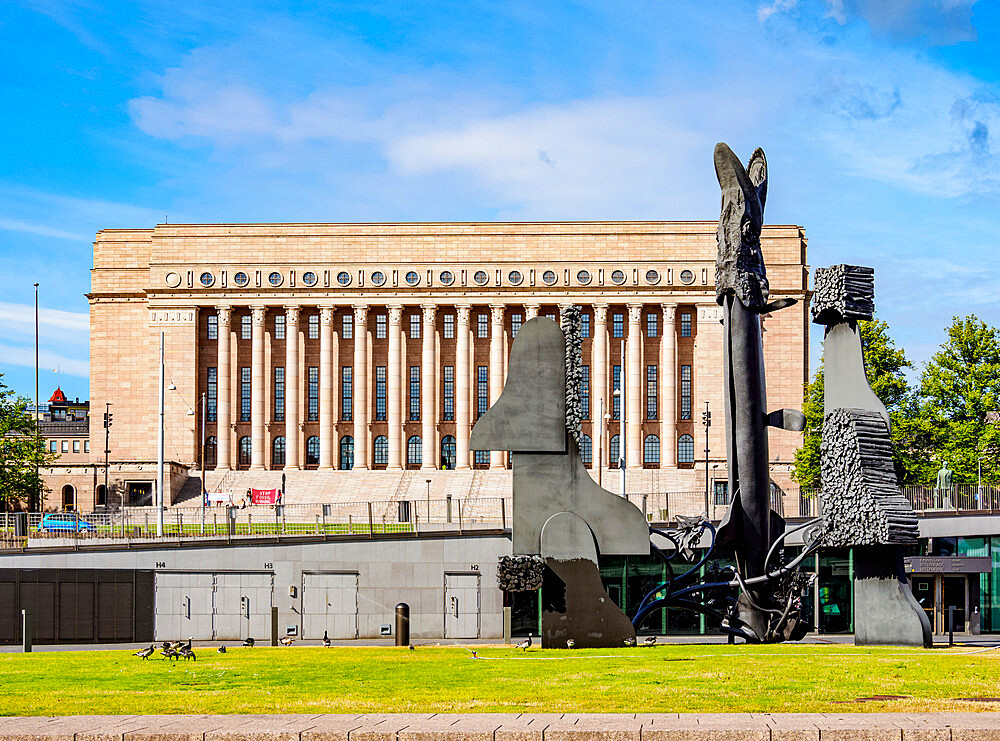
24	314
777	6
15	225
47	360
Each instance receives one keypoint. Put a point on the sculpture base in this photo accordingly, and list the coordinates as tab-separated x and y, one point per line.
575	606
885	611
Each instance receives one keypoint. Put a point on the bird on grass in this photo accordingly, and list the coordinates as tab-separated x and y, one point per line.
221	649
186	651
649	640
168	650
146	652
524	645
412	648
630	641
176	645
248	642
570	643
326	639
287	641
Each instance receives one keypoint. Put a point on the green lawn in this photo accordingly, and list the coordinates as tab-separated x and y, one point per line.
669	678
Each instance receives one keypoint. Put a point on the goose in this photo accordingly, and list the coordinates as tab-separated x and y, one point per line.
524	645
649	640
248	642
326	639
630	641
186	652
287	641
570	643
146	652
221	649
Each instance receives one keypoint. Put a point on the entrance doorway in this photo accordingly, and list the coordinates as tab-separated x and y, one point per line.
139	493
954	593
923	592
461	604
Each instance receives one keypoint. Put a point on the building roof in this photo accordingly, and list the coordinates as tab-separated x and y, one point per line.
58	396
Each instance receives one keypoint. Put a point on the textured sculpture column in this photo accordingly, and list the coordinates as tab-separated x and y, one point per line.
223	424
291	388
428	375
599	380
326	433
360	380
496	369
257	441
668	388
394	398
462	429
633	388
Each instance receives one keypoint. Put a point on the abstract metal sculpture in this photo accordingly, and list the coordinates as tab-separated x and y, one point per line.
862	504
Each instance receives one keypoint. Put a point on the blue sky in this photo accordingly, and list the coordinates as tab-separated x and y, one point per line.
879	121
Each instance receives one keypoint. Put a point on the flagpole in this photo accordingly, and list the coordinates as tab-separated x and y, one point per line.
159	454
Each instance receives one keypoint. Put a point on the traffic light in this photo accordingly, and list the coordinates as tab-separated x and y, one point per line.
108	417
706	418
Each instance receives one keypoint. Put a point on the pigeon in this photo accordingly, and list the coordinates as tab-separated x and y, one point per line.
630	641
146	652
649	640
524	645
287	641
326	639
221	649
248	642
570	643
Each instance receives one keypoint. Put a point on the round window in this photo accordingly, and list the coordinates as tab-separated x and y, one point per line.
514	277
583	277
344	278
618	277
173	279
274	278
549	277
309	278
207	279
378	278
687	277
652	276
480	277
447	278
241	279
413	277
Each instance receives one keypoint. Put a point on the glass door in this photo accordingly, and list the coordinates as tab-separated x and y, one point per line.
954	593
923	592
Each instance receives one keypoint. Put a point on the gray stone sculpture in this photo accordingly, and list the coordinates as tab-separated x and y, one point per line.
861	501
560	513
942	487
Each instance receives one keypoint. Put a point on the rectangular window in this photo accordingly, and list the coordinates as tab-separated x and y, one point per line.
651	325
449	326
449	393
685	325
381	326
279	326
213	327
53	446
65	446
585	325
313	324
515	324
347	327
414	326
482	390
616	399
279	394
585	392
313	396
651	392
617	325
685	392
244	394
212	397
550	316
414	391
346	393
721	492
86	446
380	393
246	327
482	326
76	446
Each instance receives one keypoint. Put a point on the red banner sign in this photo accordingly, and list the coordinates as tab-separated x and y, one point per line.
264	496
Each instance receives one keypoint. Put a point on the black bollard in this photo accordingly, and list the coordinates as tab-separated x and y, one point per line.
951	625
27	629
274	626
402	624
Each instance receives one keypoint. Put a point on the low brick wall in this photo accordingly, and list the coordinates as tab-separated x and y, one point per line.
511	727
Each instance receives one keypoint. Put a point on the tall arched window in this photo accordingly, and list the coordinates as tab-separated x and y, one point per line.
381	448
586	450
102	495
651	452
414	456
614	451
211	452
278	452
346	453
685	449
312	451
68	498
244	451
448	452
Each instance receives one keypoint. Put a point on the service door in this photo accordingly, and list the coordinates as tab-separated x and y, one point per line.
242	603
182	606
329	603
461	605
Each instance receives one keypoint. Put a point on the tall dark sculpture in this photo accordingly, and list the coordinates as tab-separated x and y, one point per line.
561	516
862	505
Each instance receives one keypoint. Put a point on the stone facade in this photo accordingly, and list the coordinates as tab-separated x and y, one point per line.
360	318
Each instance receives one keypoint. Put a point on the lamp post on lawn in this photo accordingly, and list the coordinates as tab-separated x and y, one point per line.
706	419
621	437
601	426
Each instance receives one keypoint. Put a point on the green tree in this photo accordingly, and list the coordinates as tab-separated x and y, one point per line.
959	386
885	366
22	450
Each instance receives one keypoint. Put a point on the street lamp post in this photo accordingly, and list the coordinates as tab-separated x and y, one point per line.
601	416
38	480
204	491
621	436
706	418
159	451
107	450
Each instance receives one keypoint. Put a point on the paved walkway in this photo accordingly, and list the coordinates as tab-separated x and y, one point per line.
511	727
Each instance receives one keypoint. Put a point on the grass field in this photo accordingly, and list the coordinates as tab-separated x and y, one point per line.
669	678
